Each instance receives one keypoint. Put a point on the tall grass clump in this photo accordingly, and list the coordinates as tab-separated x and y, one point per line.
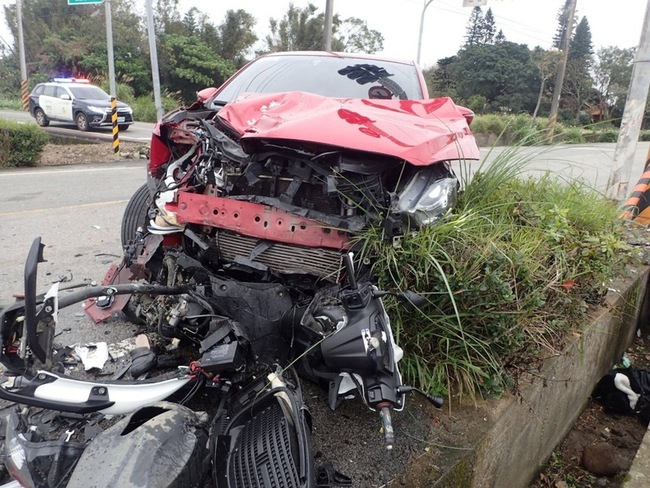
506	276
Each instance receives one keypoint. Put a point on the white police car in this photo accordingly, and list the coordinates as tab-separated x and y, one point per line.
76	101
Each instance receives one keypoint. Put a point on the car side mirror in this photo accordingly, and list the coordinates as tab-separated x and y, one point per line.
65	96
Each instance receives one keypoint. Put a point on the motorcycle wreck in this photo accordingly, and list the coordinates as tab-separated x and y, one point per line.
240	250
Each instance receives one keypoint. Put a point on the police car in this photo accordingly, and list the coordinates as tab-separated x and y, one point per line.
77	101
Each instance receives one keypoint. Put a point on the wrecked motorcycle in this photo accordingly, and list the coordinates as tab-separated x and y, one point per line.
242	246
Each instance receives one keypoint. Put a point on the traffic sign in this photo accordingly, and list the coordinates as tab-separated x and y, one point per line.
83	2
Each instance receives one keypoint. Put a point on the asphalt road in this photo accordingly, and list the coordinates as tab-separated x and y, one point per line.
77	211
137	132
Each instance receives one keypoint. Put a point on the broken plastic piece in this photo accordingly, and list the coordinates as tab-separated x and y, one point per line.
93	355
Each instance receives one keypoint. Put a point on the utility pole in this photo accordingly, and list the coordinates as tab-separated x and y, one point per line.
111	76
153	53
559	77
628	134
424	9
24	95
327	31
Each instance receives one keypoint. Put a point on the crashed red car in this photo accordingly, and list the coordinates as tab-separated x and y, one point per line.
313	146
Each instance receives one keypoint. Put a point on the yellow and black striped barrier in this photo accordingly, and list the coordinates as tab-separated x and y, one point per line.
116	135
637	206
24	94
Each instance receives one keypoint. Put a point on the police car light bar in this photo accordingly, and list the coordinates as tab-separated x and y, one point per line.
70	80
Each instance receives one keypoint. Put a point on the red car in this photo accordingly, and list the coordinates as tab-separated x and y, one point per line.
343	138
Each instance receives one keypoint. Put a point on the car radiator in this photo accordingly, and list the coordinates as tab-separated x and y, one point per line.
282	258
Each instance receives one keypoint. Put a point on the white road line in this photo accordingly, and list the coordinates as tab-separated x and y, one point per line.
68	207
60	170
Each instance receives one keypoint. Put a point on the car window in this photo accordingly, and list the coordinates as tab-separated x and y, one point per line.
88	92
49	91
342	77
60	91
38	90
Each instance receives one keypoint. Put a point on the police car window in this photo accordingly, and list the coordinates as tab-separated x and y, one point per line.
59	91
89	93
38	90
49	91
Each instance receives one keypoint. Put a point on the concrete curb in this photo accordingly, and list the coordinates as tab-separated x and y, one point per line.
516	434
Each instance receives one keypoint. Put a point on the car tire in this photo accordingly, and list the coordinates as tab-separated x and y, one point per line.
122	128
81	120
135	214
41	118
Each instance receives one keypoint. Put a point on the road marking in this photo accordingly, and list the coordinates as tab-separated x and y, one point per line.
61	171
67	207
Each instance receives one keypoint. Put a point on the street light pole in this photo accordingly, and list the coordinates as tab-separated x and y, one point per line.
424	9
153	54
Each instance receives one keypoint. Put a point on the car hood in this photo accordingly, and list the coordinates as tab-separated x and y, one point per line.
421	132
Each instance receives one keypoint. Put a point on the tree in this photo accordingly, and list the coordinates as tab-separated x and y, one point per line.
302	30
235	36
612	73
439	79
473	34
561	31
355	36
578	84
500	37
487	28
546	63
502	73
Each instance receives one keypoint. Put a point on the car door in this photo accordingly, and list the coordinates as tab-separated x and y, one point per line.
47	101
63	104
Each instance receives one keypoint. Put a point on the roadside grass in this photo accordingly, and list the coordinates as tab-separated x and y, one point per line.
507	276
10	103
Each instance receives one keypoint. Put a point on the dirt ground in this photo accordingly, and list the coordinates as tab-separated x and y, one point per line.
599	450
83	153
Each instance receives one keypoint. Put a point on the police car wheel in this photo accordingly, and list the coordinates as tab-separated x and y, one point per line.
122	128
41	118
82	121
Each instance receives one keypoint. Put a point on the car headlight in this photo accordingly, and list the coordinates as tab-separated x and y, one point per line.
129	110
99	110
428	196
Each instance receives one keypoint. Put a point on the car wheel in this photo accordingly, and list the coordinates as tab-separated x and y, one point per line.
82	121
41	118
122	128
135	214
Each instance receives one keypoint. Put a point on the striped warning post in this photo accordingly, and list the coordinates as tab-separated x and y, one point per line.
24	94
637	206
116	136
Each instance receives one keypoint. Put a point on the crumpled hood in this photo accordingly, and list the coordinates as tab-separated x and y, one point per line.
421	132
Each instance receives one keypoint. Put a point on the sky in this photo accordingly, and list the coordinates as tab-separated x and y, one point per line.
531	22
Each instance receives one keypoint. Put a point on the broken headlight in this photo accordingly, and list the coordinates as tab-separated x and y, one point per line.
428	195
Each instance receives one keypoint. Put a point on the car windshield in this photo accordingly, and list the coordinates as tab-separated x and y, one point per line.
89	93
341	77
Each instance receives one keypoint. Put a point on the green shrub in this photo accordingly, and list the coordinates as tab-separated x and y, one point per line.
144	107
10	103
20	144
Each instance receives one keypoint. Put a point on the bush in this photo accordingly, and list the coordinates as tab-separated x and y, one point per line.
20	144
144	107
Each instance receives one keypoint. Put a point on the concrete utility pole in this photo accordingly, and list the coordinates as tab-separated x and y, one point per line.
424	9
559	78
24	95
327	30
628	135
109	47
153	53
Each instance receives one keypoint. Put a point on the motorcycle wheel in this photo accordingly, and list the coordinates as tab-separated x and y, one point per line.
135	214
